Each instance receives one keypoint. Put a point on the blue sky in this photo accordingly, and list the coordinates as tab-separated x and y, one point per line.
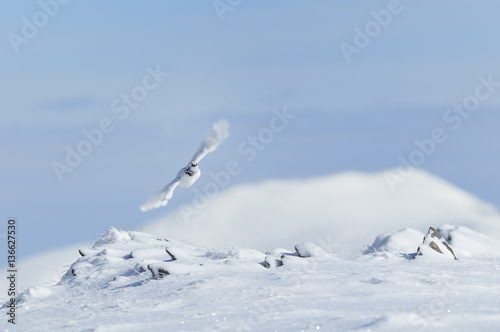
359	115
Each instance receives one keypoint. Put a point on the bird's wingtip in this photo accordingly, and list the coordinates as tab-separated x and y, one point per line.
151	206
222	123
221	129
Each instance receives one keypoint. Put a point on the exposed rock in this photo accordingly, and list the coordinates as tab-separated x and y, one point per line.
170	254
157	272
272	262
308	249
87	252
434	243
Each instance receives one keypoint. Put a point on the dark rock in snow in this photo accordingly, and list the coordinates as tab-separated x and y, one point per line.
308	249
272	262
157	272
171	255
434	243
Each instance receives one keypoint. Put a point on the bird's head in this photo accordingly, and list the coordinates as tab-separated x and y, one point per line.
194	164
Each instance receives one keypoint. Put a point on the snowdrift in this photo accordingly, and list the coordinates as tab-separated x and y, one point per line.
345	211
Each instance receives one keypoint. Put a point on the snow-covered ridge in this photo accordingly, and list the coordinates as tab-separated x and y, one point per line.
327	276
118	257
123	258
127	276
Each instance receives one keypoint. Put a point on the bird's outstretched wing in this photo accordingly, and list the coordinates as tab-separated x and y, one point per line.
219	132
161	198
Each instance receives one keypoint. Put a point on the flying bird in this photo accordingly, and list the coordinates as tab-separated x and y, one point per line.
191	172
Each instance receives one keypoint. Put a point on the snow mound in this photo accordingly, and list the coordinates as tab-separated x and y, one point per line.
469	243
435	245
119	257
466	243
405	240
308	249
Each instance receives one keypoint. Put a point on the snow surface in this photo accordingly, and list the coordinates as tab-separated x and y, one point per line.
116	287
135	281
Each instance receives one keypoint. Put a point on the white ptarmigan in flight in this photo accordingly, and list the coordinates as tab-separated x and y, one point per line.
189	174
